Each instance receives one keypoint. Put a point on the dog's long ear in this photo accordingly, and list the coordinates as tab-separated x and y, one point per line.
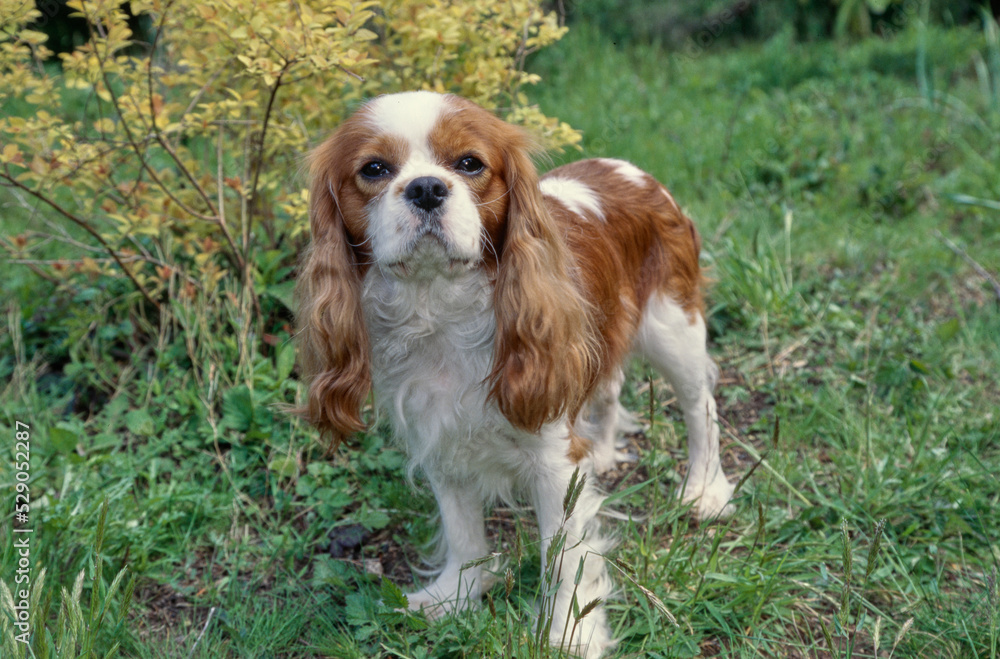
333	340
545	355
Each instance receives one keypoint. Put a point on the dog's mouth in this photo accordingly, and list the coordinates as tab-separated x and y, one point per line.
409	269
428	257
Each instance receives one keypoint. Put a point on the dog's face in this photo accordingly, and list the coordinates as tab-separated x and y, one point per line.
422	182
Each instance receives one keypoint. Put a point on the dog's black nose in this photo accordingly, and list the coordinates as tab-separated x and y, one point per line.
426	192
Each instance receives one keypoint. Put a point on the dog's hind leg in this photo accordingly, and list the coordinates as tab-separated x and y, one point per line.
675	343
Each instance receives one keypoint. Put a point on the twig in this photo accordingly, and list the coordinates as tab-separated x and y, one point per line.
157	133
86	227
980	270
116	104
211	612
204	88
158	136
32	265
257	167
260	153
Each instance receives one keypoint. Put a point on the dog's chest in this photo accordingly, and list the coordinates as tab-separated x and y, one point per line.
432	349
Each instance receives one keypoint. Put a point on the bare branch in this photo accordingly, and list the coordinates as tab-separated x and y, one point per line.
116	104
6	175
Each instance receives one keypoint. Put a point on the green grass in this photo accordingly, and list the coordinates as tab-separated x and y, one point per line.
822	181
860	358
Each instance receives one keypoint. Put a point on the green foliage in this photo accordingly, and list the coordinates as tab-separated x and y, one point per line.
77	632
843	192
170	174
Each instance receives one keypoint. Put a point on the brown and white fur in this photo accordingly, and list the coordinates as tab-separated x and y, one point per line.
491	313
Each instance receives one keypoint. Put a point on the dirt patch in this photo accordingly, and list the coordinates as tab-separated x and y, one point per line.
161	612
744	414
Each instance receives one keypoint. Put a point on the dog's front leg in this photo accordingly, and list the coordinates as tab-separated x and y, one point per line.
463	539
575	530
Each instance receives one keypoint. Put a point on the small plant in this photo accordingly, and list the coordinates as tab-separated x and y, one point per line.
847	627
76	633
175	164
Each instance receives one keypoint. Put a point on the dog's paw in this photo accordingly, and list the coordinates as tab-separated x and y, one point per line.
606	456
710	500
445	595
433	604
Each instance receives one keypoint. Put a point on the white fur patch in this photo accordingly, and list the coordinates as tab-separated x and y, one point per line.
573	194
394	225
411	115
628	171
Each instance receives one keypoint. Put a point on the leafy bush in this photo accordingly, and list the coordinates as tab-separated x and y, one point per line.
153	196
176	165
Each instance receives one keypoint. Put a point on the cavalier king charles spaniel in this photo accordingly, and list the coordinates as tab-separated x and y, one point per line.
491	312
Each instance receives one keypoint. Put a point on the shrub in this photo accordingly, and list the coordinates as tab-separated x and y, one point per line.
176	164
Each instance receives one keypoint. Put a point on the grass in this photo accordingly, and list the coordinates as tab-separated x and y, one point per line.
863	346
860	399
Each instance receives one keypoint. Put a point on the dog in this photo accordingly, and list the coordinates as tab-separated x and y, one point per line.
491	312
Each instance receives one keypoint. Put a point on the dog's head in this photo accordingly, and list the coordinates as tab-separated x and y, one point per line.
426	186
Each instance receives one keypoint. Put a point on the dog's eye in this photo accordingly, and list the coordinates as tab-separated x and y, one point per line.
469	165
375	169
